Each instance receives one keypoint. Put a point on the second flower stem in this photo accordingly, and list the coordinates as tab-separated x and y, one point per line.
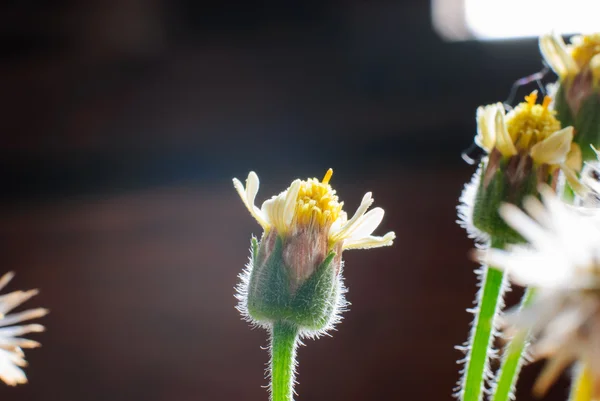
512	360
482	336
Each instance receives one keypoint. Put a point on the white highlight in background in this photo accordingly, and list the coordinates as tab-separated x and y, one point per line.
510	19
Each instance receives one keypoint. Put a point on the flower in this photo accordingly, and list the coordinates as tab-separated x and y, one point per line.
11	353
525	147
562	263
313	205
529	129
577	95
568	61
293	273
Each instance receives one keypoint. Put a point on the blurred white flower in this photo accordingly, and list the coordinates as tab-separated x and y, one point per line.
562	262
12	358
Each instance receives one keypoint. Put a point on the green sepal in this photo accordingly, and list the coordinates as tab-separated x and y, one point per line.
269	289
271	296
563	111
488	200
587	127
312	305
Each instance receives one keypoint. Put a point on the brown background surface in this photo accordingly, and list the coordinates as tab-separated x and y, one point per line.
123	123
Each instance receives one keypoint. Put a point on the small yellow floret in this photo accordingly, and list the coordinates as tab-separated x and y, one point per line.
530	123
585	48
317	202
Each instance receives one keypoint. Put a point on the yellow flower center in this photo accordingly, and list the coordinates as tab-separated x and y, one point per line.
317	202
530	123
585	48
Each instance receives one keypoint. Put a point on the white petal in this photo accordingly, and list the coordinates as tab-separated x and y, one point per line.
22	316
290	202
6	279
12	343
504	142
555	53
248	196
342	232
528	268
11	300
13	331
486	134
366	224
523	224
370	242
10	373
553	149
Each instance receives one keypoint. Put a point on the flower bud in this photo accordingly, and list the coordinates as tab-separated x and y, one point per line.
526	147
294	271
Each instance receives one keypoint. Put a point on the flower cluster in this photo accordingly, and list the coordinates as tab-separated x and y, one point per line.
539	150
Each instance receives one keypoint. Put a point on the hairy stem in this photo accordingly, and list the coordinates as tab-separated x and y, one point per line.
479	346
284	337
512	360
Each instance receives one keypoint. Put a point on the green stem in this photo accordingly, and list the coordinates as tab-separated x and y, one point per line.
512	360
284	337
480	344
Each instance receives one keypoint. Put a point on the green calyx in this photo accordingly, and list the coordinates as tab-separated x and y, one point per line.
587	127
585	119
495	191
272	296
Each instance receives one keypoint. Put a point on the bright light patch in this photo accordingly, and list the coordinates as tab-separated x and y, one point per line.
510	19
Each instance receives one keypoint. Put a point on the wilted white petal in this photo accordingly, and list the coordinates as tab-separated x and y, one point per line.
343	231
366	224
248	196
554	51
370	241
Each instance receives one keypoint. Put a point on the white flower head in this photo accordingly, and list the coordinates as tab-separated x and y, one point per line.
12	358
562	262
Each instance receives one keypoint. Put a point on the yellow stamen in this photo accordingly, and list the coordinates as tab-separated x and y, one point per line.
530	123
531	98
327	177
317	202
546	102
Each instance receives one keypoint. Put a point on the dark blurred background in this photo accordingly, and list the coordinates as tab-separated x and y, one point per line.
123	123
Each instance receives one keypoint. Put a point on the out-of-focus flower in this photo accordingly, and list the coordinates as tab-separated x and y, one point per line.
525	147
12	358
578	94
561	262
569	60
531	133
